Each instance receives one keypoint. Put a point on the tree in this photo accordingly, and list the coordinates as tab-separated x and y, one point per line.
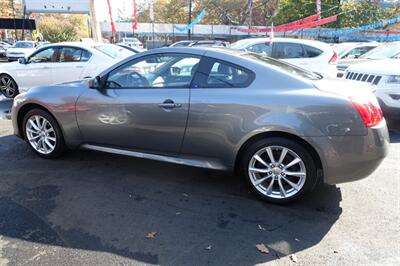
61	28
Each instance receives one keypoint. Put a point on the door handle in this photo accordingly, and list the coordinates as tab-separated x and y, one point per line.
79	66
169	104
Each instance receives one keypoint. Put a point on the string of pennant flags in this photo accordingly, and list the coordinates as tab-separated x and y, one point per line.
294	27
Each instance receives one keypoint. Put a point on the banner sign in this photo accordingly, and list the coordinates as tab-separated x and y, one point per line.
369	39
194	22
340	32
291	26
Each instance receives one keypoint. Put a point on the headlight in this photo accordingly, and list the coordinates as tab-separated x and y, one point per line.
393	79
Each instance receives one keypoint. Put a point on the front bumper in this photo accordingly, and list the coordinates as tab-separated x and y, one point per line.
350	158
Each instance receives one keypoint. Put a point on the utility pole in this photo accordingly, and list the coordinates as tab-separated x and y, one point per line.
95	27
190	19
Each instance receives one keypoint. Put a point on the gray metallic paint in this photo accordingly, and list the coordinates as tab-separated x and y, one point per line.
212	124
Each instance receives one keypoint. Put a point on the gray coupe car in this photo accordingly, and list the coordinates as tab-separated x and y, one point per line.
283	129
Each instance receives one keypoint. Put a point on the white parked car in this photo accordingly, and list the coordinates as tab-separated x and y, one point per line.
132	42
58	63
314	56
20	49
350	53
384	75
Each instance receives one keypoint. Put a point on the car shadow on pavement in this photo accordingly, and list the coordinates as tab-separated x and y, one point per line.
100	202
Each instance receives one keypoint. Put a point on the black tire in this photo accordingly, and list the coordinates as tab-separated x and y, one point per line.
59	145
310	167
8	92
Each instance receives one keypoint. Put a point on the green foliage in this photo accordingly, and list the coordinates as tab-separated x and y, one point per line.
62	28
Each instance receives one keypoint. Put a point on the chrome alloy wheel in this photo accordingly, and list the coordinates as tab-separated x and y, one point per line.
40	134
8	87
277	172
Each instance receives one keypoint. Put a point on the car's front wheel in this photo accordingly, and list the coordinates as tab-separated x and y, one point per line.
279	170
8	86
43	134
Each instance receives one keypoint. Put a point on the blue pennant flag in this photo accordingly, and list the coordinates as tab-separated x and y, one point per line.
194	22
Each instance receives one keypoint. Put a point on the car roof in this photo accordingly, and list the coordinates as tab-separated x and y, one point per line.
288	40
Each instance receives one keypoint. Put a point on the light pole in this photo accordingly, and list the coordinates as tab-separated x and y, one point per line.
190	19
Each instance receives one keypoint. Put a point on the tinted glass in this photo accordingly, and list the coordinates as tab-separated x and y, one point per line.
311	51
44	56
85	56
160	71
357	52
283	66
261	48
288	50
224	75
70	54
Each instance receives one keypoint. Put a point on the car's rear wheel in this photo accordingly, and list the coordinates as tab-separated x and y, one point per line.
43	134
279	170
8	86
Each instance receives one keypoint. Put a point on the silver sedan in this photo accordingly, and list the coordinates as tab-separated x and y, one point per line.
283	129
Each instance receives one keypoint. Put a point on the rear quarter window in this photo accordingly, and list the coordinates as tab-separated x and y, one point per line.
311	51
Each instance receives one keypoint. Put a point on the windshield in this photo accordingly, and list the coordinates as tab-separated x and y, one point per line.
284	66
341	49
382	52
114	51
239	45
23	45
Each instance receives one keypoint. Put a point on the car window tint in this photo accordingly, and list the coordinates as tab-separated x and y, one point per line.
85	56
159	71
311	51
261	48
70	54
358	51
44	56
225	75
288	50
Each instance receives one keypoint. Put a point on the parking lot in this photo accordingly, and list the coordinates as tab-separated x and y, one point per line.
99	209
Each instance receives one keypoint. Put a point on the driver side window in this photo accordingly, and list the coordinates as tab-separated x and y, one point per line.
156	71
44	56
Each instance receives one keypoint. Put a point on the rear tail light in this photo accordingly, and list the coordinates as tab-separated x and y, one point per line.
334	59
369	110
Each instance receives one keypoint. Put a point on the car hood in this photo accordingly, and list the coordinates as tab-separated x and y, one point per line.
381	67
343	87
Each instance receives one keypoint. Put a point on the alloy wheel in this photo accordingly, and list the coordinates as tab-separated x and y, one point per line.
277	172
8	87
41	134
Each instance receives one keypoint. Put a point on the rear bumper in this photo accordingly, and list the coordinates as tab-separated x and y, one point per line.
350	158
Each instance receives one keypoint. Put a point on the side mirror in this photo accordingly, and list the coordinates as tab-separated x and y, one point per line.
22	60
96	83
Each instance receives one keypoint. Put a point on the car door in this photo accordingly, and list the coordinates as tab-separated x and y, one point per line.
70	65
143	106
219	108
38	69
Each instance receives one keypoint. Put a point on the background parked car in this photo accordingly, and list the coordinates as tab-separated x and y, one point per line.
20	49
5	45
132	49
314	56
132	42
284	129
56	63
349	53
193	43
2	52
384	74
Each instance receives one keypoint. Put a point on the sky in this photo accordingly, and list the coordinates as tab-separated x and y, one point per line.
125	6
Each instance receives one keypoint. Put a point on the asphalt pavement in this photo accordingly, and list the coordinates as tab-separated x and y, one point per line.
90	208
